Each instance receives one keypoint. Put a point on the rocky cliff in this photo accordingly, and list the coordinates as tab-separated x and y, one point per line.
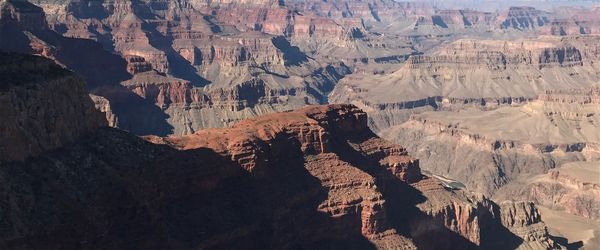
297	50
30	85
523	18
312	178
485	74
176	41
572	188
505	144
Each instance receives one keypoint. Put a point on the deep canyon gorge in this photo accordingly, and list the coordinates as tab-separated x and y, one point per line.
315	124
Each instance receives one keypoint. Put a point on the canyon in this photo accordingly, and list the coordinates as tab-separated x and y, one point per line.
545	151
315	177
285	109
205	64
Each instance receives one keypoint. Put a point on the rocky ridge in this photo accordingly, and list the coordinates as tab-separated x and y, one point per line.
286	54
471	73
28	127
572	188
499	155
282	180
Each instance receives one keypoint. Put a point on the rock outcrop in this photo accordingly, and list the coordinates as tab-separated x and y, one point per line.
488	149
29	86
573	188
524	219
185	42
312	178
297	50
523	18
484	74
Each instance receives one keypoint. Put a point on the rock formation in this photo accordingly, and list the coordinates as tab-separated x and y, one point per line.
572	188
291	52
488	149
29	85
184	44
477	73
523	18
312	178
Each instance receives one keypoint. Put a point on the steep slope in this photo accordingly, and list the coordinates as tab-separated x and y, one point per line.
232	60
545	151
229	73
27	126
487	149
312	178
473	72
573	188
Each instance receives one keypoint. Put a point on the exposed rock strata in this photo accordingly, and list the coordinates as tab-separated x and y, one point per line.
524	18
316	177
573	188
505	144
484	74
299	49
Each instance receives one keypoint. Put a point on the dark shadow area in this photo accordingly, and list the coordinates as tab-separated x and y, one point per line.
328	76
374	12
263	68
87	9
438	21
565	242
355	33
466	21
178	66
291	54
402	198
134	113
89	59
113	190
214	27
17	69
102	70
251	91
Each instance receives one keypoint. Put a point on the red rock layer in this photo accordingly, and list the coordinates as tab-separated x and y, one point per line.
316	177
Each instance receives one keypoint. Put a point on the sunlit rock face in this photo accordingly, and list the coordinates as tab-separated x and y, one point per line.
317	172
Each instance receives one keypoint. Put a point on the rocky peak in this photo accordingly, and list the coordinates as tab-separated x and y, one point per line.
318	131
519	214
43	106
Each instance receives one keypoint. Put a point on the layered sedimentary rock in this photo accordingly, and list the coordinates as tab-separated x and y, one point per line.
508	143
574	21
297	49
480	73
524	220
24	29
312	178
523	18
572	188
161	39
534	152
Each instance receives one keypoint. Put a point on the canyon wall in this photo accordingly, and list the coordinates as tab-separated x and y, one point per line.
484	74
289	54
29	85
315	177
572	188
506	144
